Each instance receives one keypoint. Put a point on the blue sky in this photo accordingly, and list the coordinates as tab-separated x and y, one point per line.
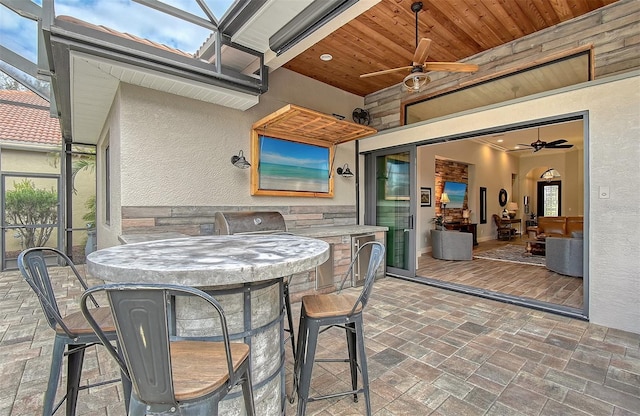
19	34
284	152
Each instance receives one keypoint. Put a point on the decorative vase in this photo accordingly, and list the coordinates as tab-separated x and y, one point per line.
92	242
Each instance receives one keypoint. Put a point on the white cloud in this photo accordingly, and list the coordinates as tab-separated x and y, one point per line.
129	17
20	34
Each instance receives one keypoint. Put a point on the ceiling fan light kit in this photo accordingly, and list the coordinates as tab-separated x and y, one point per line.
413	82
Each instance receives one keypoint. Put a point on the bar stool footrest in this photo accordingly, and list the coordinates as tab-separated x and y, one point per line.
331	360
331	396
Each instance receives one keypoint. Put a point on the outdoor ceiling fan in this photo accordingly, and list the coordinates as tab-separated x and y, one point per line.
417	77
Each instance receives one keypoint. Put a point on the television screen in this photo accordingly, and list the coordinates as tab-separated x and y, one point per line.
456	192
293	166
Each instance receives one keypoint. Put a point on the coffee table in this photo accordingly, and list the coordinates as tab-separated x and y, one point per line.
536	247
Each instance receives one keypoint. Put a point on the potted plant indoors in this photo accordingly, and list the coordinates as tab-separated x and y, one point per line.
438	220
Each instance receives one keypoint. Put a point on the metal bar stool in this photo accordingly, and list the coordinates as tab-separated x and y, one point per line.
171	375
73	333
321	312
287	309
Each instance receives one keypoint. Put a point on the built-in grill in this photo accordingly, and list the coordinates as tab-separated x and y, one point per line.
258	222
249	222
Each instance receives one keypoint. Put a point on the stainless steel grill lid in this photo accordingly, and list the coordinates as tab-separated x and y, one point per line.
245	222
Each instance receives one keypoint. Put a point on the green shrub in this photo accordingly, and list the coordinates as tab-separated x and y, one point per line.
27	206
90	216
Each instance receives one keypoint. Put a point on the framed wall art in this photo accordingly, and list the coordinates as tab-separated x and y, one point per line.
425	197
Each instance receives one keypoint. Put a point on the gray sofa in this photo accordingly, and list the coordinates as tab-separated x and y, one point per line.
565	255
451	245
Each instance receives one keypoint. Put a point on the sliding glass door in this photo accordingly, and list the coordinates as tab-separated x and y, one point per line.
391	202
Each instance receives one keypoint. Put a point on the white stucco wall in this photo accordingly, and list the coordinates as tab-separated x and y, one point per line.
177	151
110	136
174	151
613	232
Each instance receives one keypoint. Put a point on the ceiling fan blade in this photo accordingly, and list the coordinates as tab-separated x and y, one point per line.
556	142
450	66
386	71
422	51
560	146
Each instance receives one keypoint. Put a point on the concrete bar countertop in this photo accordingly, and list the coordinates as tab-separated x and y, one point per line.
143	237
332	231
208	260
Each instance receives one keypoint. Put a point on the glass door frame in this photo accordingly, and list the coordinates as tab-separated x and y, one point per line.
371	206
540	190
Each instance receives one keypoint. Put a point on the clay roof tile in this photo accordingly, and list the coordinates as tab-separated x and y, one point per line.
124	35
25	118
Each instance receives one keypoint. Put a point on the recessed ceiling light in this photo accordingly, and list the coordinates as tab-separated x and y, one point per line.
326	57
517	147
499	140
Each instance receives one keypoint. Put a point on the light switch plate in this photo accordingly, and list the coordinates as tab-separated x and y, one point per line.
603	192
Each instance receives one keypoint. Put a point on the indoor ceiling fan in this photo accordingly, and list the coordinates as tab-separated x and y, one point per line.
539	144
417	77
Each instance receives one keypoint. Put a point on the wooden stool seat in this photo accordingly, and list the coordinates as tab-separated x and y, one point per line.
323	306
76	324
200	367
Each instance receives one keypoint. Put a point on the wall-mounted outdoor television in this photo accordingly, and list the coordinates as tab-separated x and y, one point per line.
288	168
456	192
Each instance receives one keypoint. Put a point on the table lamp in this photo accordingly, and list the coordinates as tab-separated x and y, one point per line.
444	200
512	207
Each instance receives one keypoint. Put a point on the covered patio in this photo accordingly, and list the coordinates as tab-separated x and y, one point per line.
430	352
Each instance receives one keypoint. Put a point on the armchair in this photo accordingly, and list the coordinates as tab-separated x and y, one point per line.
504	230
565	255
451	245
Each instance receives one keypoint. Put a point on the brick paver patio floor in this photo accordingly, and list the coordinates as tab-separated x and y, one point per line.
430	352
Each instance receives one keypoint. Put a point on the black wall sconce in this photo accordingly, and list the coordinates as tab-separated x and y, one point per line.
344	171
239	161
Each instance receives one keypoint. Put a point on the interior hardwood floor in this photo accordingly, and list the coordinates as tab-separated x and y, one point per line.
527	281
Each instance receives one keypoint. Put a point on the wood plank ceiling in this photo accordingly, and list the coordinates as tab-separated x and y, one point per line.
384	36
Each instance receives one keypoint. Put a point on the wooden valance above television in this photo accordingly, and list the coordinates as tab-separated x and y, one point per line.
312	127
293	150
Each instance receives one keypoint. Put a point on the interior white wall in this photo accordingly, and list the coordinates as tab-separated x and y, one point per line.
492	169
488	167
613	152
569	164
